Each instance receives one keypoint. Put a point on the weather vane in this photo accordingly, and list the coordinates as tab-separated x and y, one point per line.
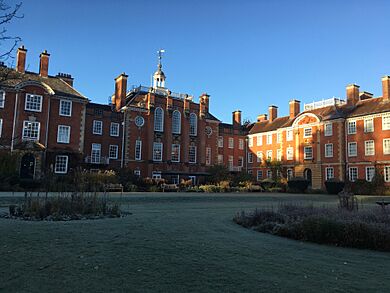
160	53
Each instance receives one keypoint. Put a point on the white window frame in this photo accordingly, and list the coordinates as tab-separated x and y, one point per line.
278	154
61	135
350	144
259	140
220	141
386	143
1	126
174	159
369	125
259	156
386	173
289	135
279	137
351	127
96	153
157	147
240	161
220	159
307	132
328	129
241	143
33	102
290	153
57	168
2	99
114	129
329	150
95	127
306	153
208	156
385	121
370	173
329	173
230	163
159	119
250	157
259	175
369	148
193	124
62	107
137	173
269	155
289	173
138	150
231	143
269	173
351	172
176	122
27	123
110	148
192	154
269	138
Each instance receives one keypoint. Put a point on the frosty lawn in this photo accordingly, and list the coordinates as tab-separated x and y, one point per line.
179	242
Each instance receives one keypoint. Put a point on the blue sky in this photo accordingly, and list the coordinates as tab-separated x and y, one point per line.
246	54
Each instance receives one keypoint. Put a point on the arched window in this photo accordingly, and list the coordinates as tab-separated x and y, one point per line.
176	122
193	124
159	119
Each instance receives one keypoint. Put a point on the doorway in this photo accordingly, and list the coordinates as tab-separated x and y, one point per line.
307	174
27	166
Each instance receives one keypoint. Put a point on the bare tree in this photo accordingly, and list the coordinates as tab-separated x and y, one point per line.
8	43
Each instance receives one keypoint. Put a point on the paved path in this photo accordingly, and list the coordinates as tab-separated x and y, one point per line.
180	243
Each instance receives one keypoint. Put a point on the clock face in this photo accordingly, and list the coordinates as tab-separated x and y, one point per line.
208	130
139	121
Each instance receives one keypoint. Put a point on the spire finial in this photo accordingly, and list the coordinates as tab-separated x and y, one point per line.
160	53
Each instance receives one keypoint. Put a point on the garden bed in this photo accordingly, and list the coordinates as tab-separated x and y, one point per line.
367	228
65	207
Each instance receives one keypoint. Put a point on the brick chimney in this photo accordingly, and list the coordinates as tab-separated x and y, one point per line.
365	96
237	118
352	94
44	64
273	112
295	108
386	88
66	77
204	101
21	59
119	99
262	117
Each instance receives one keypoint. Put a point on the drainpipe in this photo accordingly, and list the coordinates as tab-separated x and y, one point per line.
123	135
246	154
346	150
14	123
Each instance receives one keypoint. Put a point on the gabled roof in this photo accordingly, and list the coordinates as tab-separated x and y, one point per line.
11	78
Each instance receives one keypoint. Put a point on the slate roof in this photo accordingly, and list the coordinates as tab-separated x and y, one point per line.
370	106
11	78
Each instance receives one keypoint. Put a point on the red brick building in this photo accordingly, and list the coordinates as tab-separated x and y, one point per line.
42	118
322	142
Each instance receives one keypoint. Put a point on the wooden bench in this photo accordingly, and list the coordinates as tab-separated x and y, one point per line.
382	203
169	187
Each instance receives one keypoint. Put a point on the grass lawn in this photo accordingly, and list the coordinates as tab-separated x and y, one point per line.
180	243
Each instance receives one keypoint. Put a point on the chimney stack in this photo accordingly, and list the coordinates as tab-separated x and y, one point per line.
204	101
386	88
352	94
262	117
237	118
295	108
66	77
365	96
44	64
119	99
273	112
21	59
